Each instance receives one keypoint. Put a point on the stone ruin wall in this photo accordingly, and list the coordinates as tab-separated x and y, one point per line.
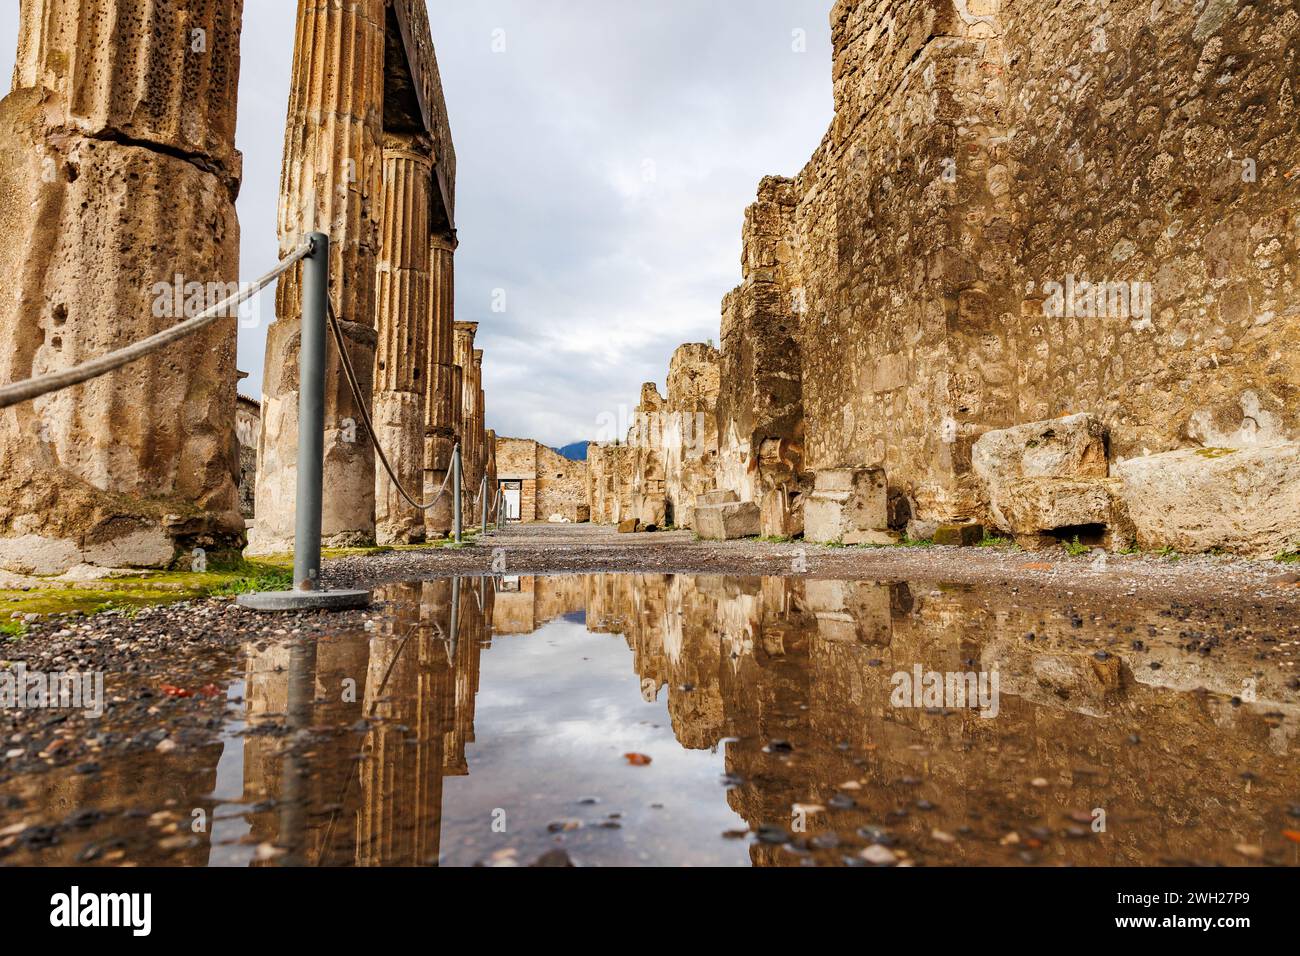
924	324
552	484
892	304
689	435
609	482
561	487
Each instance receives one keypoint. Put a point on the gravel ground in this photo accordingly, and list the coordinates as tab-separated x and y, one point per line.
559	549
168	666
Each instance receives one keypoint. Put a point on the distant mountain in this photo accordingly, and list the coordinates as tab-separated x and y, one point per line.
575	452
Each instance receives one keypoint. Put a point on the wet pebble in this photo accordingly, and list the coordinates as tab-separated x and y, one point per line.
877	855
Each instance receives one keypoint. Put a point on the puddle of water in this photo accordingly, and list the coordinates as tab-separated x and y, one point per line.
499	721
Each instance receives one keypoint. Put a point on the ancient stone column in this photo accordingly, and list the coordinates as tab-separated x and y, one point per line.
442	395
119	173
490	462
402	309
332	182
475	427
463	354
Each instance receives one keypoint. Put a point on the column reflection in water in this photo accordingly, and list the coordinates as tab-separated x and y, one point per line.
354	733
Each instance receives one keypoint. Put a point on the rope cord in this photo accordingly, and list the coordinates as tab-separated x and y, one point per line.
350	374
32	388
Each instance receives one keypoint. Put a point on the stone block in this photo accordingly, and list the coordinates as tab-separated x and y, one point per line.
1244	500
922	529
848	505
715	498
959	535
1046	477
1044	505
729	521
1070	447
781	514
629	526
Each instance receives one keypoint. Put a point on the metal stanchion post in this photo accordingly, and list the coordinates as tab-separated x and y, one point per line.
307	593
456	493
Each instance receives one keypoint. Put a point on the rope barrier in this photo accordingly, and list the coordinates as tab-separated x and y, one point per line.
350	374
32	388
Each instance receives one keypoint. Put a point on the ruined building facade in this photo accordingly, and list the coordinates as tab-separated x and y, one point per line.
539	484
1025	214
120	176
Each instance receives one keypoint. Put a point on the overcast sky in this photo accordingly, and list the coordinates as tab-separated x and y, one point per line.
606	157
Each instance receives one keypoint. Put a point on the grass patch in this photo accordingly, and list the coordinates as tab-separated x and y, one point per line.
259	580
1288	557
1075	548
916	542
777	539
993	541
13	630
1168	552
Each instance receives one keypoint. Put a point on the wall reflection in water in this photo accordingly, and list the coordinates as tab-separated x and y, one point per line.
343	746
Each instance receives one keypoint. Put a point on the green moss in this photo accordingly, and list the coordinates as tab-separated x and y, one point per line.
777	539
1215	453
993	541
916	542
1288	557
13	630
129	594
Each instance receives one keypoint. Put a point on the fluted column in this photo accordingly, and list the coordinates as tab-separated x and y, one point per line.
442	395
463	355
402	308
119	174
490	461
331	182
479	444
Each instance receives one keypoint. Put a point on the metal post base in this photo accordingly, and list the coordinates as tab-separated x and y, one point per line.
305	601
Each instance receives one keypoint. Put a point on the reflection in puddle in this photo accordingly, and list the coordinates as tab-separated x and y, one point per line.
510	720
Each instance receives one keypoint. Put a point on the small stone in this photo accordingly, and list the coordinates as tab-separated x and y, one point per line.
878	855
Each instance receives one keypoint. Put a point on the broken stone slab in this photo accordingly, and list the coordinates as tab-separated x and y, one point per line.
1244	500
1040	512
959	535
629	526
1046	479
1069	447
848	506
729	521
